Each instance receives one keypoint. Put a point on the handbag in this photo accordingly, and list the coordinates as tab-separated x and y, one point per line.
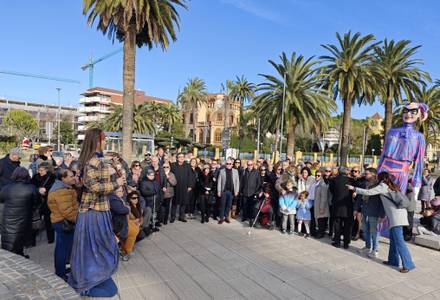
67	226
37	222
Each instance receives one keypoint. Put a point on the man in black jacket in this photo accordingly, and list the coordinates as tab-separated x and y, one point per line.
250	186
342	207
182	171
7	166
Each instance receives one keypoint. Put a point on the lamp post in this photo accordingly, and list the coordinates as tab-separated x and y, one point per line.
282	115
59	120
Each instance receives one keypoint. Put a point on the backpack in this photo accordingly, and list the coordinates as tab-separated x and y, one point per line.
398	198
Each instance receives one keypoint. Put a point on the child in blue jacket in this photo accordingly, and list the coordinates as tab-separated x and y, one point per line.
303	214
288	203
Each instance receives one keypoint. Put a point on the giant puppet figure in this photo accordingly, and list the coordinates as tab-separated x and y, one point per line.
405	146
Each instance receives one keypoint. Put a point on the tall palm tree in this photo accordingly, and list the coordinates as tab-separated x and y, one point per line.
242	91
142	120
170	115
349	74
307	103
193	96
398	74
134	22
431	127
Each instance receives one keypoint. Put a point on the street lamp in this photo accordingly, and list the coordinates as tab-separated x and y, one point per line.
282	114
59	120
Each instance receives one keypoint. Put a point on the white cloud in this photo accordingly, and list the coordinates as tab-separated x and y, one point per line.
253	8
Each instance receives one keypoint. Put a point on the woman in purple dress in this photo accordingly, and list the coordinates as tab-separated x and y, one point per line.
405	146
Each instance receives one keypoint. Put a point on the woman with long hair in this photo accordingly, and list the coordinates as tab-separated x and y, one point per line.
397	219
95	251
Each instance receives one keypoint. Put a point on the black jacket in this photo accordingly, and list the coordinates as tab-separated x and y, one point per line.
119	215
7	167
437	187
149	189
45	181
206	184
342	198
20	199
250	183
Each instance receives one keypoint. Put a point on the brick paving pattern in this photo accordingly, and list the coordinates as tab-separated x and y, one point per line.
21	278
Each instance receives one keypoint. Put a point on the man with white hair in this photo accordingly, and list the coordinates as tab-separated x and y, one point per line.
228	186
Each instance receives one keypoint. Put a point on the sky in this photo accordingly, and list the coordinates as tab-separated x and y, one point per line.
218	40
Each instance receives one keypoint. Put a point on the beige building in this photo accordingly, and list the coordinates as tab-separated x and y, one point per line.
375	124
210	119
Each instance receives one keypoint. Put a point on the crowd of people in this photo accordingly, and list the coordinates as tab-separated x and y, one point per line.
95	208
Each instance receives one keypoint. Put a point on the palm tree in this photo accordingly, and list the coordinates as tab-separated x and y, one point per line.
170	115
192	97
431	127
349	74
140	22
242	91
142	120
307	103
397	74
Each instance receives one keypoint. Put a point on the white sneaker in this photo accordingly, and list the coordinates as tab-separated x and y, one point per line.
374	254
365	251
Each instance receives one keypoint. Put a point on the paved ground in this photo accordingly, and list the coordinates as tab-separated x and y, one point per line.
210	261
21	278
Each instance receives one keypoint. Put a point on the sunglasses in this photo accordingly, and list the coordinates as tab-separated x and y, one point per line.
412	111
134	198
166	167
137	165
328	171
355	171
228	164
263	170
317	175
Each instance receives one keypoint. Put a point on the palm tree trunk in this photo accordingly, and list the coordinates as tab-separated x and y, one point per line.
388	114
169	124
194	125
291	139
128	97
345	140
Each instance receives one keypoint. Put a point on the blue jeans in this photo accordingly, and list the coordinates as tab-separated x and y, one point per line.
398	248
371	236
63	249
225	204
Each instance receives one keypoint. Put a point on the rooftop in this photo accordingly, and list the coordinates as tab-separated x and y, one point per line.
117	96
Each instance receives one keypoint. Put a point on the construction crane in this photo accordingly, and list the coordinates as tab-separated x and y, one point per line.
38	76
92	64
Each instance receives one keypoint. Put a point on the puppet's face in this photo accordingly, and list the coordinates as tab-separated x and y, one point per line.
411	113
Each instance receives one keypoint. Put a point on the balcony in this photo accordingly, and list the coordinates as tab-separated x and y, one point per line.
97	109
88	118
95	99
82	128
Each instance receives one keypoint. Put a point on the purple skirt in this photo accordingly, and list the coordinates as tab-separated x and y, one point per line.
94	256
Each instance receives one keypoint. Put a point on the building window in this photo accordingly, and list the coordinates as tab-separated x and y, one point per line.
218	136
231	120
219	117
191	118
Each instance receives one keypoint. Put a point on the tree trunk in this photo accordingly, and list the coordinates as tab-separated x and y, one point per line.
345	140
240	125
128	97
388	115
169	124
194	124
291	140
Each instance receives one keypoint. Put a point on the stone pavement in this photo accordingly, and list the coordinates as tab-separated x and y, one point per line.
210	261
21	278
